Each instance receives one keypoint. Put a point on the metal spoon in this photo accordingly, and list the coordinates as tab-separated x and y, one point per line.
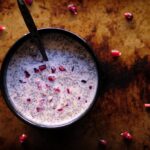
32	28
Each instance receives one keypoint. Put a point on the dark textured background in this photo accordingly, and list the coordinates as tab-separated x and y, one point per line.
126	80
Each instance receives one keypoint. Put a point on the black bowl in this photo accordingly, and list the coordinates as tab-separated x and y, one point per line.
9	56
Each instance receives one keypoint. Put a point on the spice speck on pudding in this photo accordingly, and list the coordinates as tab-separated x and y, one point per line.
27	74
53	69
83	81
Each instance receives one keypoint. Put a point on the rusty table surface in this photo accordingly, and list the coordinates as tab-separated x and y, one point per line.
126	80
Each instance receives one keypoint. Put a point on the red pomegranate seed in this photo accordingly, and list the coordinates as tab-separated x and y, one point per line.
57	90
128	16
29	2
147	105
2	28
36	70
68	91
127	136
73	9
115	53
51	78
27	75
42	67
102	142
23	138
61	68
53	69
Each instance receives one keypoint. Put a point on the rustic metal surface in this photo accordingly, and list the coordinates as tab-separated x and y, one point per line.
126	80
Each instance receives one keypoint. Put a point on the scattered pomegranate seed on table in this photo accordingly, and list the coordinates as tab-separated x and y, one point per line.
128	16
73	9
22	138
2	28
127	136
115	53
147	105
29	2
103	143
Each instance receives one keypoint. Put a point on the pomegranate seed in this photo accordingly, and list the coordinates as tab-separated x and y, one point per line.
2	28
115	53
29	2
147	105
73	9
51	78
128	16
61	68
23	138
103	142
68	91
36	70
57	90
27	75
28	100
60	109
53	69
127	136
79	98
83	81
42	67
90	87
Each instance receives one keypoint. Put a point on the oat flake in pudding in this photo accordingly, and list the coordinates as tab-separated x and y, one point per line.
55	92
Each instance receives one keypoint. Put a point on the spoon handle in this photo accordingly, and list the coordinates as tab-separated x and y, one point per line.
32	27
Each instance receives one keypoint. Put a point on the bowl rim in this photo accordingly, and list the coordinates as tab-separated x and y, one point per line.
9	55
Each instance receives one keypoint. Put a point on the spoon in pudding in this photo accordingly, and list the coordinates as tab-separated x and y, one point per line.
32	28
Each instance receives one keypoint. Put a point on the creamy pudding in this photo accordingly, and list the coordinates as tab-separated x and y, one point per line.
55	92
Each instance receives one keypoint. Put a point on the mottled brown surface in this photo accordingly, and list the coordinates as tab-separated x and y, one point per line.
126	80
